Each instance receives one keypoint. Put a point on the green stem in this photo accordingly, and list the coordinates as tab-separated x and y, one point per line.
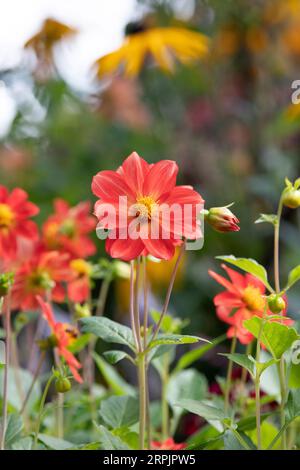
164	402
6	370
240	439
143	400
145	332
41	409
102	296
229	373
33	382
60	415
257	384
169	291
281	368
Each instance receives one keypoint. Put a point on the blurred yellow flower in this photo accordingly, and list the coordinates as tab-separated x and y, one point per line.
162	44
292	112
50	34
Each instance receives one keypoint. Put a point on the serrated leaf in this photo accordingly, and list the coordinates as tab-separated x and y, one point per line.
119	411
294	277
113	357
175	339
114	380
277	337
208	412
110	442
108	330
242	360
267	218
191	356
250	266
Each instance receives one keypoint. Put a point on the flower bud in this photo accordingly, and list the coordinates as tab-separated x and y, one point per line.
6	281
276	303
222	219
291	194
82	311
62	385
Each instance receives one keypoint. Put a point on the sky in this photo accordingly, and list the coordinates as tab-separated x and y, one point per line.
101	27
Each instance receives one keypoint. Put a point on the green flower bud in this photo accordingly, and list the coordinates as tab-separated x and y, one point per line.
82	311
276	303
62	385
291	194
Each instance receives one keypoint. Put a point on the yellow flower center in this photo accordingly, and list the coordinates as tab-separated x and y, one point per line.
51	232
39	279
253	298
6	216
145	207
81	267
68	228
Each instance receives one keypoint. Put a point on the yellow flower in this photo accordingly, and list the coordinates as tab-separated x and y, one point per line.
50	34
161	44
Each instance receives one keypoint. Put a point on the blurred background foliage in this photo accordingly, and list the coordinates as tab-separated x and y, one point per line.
227	120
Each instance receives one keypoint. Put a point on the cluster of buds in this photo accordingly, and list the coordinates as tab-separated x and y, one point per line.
291	194
222	219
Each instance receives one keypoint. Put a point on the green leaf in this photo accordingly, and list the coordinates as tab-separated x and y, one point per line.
13	429
277	337
128	437
119	411
262	366
175	339
16	393
294	277
108	330
191	356
231	441
114	380
268	218
242	360
169	323
293	405
54	443
249	423
268	433
90	446
23	444
114	357
250	266
110	442
208	412
79	343
186	384
294	376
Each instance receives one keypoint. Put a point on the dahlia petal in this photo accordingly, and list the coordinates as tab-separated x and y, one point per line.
134	169
126	250
161	249
183	195
253	281
61	206
47	311
224	282
109	185
237	278
228	299
3	193
160	179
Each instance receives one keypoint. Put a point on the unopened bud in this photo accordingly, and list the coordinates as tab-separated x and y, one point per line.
82	311
62	385
291	194
222	219
276	303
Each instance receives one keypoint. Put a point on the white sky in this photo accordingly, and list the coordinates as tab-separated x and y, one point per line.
101	27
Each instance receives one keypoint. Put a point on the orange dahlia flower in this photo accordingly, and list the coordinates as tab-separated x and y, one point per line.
79	285
15	211
242	299
63	335
168	444
136	205
43	273
68	228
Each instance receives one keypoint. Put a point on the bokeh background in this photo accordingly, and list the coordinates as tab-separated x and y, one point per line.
227	120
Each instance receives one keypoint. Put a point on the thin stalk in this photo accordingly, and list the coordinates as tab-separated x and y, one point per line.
6	370
102	297
60	415
41	409
281	368
145	337
164	402
257	386
137	304
229	374
34	379
132	312
169	291
143	401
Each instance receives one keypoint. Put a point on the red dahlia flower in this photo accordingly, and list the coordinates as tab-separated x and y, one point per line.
242	299
79	284
168	444
68	228
44	272
15	211
157	214
63	336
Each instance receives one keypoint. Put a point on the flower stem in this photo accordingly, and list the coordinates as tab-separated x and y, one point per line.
145	342
281	368
41	409
164	402
169	291
143	400
34	379
60	415
102	297
229	373
6	370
